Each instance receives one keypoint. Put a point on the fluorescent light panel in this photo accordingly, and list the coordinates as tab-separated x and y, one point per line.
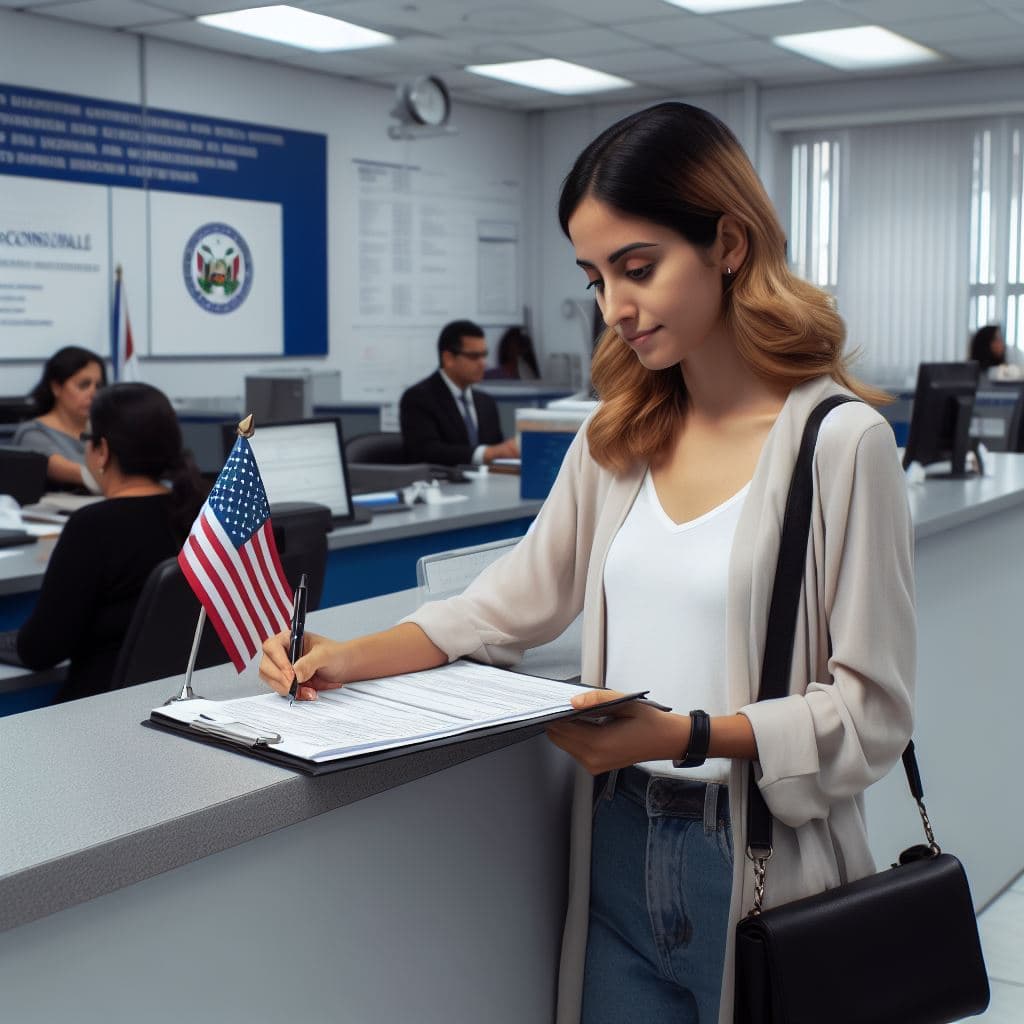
853	49
293	26
552	75
721	6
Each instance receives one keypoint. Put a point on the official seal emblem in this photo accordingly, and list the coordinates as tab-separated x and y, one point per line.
218	268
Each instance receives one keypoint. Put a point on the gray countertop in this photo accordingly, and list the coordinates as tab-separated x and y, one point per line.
92	801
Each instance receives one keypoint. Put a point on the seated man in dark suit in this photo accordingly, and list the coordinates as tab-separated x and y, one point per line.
443	419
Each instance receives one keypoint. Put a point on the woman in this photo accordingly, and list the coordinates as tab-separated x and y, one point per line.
516	359
663	527
63	396
106	550
988	348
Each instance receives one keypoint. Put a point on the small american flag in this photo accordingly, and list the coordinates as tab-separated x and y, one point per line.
231	561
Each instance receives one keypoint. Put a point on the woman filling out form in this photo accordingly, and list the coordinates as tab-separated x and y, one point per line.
663	528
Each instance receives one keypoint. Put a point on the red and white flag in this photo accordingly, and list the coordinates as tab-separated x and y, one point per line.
123	355
231	561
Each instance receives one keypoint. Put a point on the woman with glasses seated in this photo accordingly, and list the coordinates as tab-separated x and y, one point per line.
106	551
63	397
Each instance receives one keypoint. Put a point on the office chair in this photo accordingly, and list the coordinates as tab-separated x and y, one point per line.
22	474
381	448
159	637
300	533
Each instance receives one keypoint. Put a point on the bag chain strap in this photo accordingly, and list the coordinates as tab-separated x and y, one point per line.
779	647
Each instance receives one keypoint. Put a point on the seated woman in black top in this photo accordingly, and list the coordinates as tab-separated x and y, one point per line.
106	550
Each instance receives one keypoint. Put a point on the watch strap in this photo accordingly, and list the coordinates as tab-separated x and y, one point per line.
700	739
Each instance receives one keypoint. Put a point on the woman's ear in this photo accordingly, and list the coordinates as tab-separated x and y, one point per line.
732	244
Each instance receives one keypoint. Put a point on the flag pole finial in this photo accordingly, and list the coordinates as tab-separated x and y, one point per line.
247	427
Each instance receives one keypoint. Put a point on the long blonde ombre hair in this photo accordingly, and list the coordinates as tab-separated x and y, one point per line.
680	167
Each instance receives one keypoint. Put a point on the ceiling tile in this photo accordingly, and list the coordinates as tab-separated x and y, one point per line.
886	12
937	31
614	12
780	21
569	45
452	18
685	28
732	53
984	51
109	13
649	59
193	8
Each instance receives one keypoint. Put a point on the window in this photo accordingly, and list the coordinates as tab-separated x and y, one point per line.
814	212
996	283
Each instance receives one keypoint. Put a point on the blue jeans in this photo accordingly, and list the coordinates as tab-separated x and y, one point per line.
661	877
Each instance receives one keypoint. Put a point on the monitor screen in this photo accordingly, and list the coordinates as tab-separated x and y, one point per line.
301	460
941	419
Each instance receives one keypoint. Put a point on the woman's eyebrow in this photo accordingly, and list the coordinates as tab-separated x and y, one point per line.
619	253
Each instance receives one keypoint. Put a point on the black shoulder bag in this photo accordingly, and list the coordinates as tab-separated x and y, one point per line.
898	947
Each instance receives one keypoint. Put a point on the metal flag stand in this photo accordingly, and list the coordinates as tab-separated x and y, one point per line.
245	429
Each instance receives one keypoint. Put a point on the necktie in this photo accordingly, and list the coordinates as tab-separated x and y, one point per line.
470	423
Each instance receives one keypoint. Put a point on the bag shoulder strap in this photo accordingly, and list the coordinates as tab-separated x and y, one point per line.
782	613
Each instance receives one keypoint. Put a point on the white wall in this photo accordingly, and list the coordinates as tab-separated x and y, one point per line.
762	118
45	53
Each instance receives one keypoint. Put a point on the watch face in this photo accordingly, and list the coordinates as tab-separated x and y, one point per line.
428	101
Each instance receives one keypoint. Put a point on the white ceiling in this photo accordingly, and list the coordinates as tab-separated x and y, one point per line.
663	49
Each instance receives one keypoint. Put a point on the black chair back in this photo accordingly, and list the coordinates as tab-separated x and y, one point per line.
300	533
162	629
160	635
387	448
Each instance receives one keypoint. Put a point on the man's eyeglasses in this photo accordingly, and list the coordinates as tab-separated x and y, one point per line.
473	355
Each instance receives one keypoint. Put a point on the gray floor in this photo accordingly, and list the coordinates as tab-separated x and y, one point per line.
1002	937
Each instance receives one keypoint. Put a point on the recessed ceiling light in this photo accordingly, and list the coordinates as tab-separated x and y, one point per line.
552	75
296	27
719	6
852	49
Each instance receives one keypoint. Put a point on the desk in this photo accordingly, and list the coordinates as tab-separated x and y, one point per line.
110	827
147	877
363	561
520	394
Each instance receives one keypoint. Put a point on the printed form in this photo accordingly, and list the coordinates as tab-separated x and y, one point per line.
381	714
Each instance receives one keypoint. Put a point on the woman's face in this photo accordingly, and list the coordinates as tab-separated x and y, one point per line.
662	295
74	397
997	346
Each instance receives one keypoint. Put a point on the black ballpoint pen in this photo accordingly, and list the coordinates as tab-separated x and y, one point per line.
298	631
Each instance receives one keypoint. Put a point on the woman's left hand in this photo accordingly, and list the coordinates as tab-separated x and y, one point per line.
639	733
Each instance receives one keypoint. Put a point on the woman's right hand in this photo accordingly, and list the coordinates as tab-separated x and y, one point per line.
321	667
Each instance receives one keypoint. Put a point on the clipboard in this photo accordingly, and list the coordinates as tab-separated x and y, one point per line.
263	749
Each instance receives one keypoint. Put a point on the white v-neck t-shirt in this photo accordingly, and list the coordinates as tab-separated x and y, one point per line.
666	587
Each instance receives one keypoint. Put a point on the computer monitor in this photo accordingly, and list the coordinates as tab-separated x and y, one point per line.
941	419
302	460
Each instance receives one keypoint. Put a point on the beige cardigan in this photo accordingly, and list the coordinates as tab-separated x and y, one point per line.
848	716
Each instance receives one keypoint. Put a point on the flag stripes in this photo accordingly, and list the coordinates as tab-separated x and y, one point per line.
231	561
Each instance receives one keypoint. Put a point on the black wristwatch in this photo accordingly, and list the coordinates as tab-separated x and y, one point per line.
700	739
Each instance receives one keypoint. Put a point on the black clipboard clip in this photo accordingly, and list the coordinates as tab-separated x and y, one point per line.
236	732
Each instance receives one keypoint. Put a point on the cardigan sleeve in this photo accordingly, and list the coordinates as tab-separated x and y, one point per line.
530	595
844	733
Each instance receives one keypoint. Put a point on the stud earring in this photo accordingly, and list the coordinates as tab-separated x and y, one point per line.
728	271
